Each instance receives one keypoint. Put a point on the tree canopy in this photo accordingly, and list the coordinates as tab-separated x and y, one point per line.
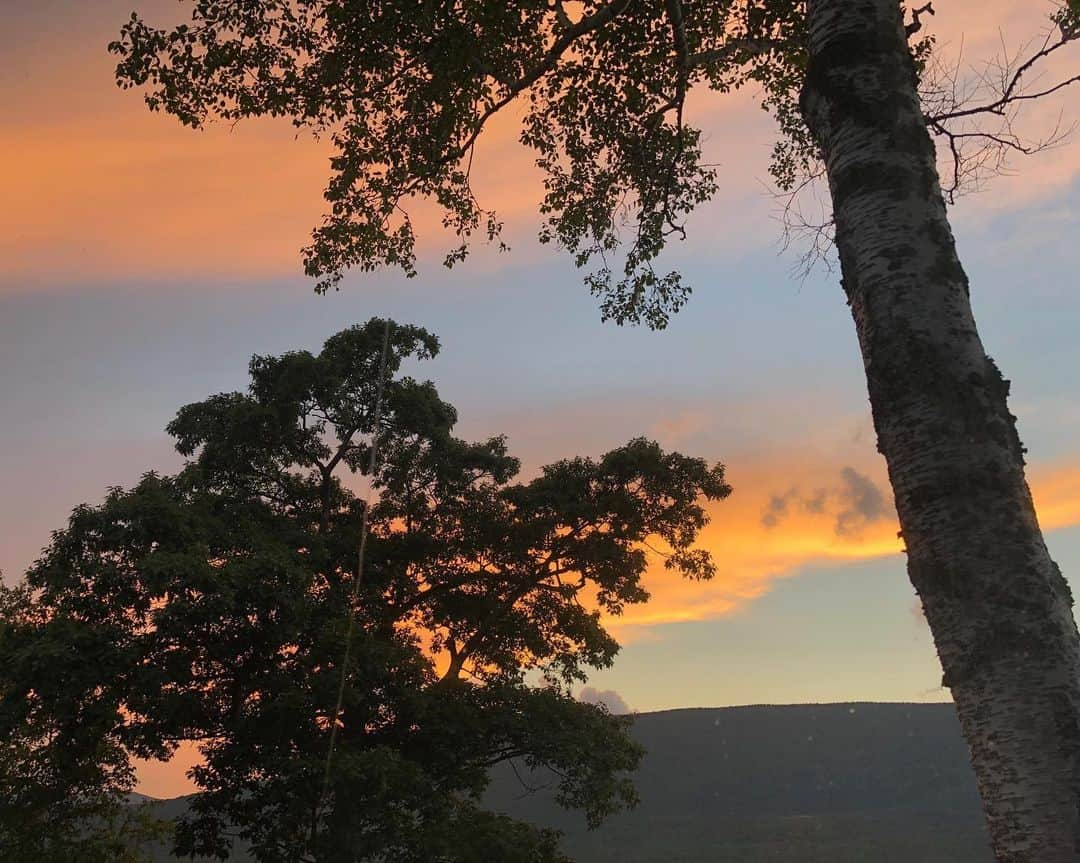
213	606
405	89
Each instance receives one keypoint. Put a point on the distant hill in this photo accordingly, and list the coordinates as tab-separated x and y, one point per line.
829	783
800	783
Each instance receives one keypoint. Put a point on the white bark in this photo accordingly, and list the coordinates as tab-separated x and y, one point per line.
998	607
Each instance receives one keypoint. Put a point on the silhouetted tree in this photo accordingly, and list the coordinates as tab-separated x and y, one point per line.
62	780
228	605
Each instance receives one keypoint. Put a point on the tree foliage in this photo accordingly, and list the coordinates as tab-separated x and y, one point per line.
404	90
213	606
62	777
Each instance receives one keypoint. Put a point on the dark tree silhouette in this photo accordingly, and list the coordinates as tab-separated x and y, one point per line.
215	605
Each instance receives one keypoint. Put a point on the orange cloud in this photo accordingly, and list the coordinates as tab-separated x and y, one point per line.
752	556
96	187
683	424
1056	490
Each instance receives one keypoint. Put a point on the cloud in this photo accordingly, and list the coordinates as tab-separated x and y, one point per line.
804	496
758	537
165	202
609	698
779	504
674	429
816	502
857	502
863	503
109	190
777	508
854	524
1055	487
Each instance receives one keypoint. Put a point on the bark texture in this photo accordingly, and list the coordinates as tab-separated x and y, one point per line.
998	607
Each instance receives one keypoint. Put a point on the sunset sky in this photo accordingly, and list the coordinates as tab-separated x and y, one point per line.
141	264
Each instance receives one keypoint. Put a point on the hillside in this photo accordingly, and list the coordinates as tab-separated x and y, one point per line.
806	783
837	783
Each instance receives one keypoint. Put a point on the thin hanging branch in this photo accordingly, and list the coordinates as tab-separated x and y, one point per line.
355	594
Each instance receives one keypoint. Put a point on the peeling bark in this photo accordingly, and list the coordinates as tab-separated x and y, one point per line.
999	609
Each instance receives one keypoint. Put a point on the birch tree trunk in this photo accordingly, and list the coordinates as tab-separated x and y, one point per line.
998	607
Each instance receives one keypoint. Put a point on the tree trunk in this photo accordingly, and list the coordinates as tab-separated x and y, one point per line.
998	607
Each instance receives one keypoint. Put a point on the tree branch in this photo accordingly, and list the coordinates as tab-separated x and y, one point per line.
953	110
916	23
513	89
746	49
1012	91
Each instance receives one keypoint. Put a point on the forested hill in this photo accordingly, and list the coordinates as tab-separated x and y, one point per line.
793	760
832	783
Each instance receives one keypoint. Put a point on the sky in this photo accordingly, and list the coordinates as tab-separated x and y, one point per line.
142	264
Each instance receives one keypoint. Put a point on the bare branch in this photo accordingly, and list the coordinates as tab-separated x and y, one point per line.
978	114
1012	73
814	232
